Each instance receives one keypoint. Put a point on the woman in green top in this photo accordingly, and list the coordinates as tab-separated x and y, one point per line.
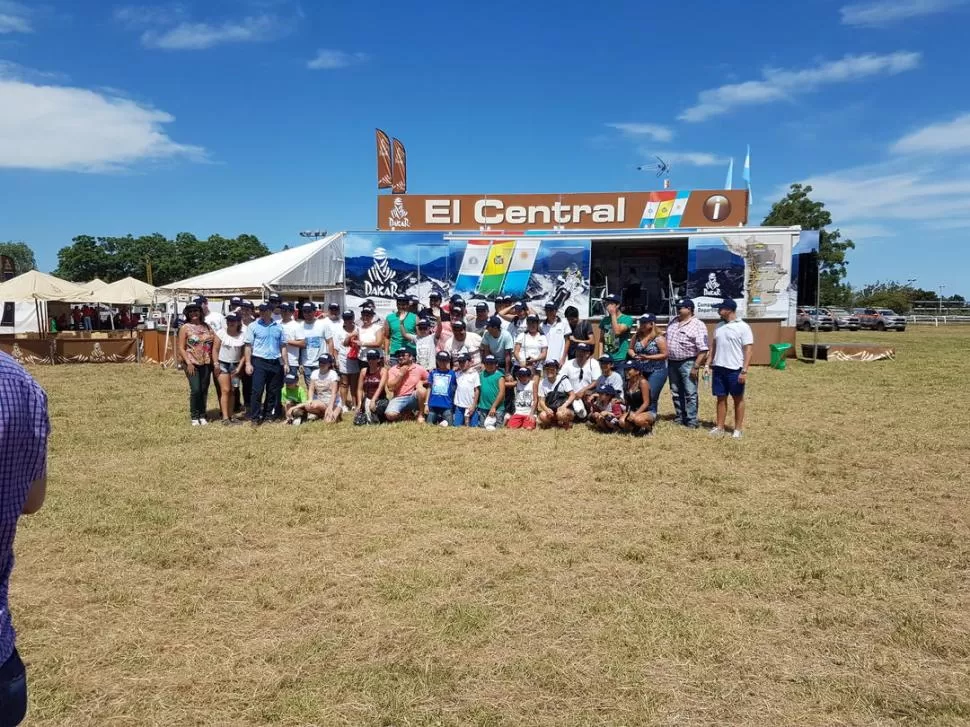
401	329
616	329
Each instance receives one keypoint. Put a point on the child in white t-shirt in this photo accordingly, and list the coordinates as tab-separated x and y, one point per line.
466	395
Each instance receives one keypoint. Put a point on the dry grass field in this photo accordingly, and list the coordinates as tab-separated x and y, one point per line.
815	573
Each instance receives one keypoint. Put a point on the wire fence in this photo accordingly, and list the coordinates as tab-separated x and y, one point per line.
938	320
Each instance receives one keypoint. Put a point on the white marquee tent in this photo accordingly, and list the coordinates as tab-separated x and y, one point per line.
314	269
28	294
127	291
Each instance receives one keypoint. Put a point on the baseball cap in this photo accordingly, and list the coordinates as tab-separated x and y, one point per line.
232	317
648	318
290	379
481	306
458	323
247	304
457	299
401	351
728	304
523	371
551	364
286	306
606	389
464	357
308	306
424	323
325	358
434	294
605	358
489	359
519	306
347	315
583	347
685	303
275	298
612	298
373	355
413	299
200	300
236	301
494	322
402	298
550	305
367	311
333	306
263	307
443	356
532	318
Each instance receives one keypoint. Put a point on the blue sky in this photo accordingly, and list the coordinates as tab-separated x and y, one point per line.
230	116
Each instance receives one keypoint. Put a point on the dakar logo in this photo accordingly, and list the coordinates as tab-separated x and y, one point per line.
399	215
380	278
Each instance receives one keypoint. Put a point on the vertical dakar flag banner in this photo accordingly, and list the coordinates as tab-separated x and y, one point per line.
8	269
383	160
399	170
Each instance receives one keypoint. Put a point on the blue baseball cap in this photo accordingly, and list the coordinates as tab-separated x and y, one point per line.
583	347
424	323
685	303
286	306
401	351
523	371
290	379
263	307
606	389
612	298
373	355
443	356
728	304
201	300
551	364
308	306
494	322
325	358
489	359
236	301
648	318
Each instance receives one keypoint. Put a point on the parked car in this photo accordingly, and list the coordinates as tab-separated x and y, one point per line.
880	319
842	319
808	319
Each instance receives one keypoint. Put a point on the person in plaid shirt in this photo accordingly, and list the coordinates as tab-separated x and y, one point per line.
24	427
687	349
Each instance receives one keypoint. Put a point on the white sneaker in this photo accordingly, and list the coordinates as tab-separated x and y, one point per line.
716	432
311	417
203	422
297	422
737	434
443	423
195	422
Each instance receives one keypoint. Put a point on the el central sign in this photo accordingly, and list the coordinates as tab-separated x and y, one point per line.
614	211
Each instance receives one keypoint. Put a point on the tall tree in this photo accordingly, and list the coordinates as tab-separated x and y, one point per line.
21	254
797	208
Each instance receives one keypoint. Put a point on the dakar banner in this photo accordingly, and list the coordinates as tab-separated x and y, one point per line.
752	269
382	265
597	211
383	160
399	170
8	269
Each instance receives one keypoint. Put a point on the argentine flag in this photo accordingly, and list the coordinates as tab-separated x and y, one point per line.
746	173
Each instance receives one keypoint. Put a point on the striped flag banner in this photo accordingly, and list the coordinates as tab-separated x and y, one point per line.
497	264
472	265
520	268
677	209
652	209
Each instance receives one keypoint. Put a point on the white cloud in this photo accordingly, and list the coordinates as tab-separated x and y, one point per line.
885	12
892	192
778	84
50	127
144	16
328	59
691	158
14	18
945	136
636	129
199	36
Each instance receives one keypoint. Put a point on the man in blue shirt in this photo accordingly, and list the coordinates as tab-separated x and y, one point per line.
24	428
266	361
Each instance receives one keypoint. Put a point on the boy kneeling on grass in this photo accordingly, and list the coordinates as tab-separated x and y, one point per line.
441	391
292	397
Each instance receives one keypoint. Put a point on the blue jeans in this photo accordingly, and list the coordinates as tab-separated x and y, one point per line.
656	379
268	380
13	691
307	373
437	414
683	389
463	418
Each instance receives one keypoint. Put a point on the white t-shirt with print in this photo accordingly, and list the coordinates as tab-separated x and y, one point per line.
314	333
523	398
562	383
555	334
425	350
614	380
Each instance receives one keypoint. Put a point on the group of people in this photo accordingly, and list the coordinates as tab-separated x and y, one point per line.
88	318
442	364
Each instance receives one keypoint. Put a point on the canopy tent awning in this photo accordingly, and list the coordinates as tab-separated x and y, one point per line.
95	284
35	285
317	267
127	291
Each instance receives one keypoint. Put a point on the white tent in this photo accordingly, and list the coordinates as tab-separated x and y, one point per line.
127	291
314	268
95	284
24	300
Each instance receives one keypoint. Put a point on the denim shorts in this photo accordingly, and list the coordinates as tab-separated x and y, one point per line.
401	404
724	382
227	368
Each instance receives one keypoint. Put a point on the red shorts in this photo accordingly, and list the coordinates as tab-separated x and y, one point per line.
521	421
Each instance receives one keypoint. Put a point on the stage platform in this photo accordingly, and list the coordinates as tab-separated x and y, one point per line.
849	352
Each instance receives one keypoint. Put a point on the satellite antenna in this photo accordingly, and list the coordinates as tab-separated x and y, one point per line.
661	168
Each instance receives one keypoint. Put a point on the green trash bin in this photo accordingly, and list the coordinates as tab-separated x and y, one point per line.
779	352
